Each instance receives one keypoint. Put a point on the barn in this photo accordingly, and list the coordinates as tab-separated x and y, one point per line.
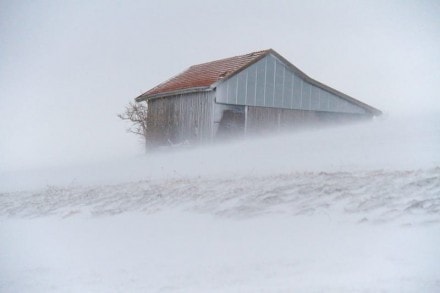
260	92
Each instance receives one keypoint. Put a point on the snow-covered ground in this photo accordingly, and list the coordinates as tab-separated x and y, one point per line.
346	209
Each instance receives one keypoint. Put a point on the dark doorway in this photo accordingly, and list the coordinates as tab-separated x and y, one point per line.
232	123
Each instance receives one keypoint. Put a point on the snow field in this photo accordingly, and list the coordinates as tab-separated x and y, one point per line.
334	232
348	209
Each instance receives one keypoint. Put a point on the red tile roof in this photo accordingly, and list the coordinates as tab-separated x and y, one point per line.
205	74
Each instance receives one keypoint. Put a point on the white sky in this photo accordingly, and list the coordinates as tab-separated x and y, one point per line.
68	67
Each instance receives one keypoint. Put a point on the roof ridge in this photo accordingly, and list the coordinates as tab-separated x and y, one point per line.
233	57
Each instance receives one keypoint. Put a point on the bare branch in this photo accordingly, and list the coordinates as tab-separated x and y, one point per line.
136	113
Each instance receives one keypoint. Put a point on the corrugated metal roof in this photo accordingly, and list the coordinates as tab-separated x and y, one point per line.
205	74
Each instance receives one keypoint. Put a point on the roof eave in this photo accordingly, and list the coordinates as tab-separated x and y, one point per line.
145	97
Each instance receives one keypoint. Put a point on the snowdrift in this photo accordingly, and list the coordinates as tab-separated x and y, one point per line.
406	197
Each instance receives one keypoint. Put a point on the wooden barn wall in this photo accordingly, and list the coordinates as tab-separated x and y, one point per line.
180	118
271	83
263	120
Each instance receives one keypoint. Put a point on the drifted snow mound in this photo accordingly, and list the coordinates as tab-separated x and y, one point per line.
375	196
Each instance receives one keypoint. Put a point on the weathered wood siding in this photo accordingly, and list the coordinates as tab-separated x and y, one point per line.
271	83
266	120
180	118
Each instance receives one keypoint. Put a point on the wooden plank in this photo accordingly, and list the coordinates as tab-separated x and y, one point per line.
180	118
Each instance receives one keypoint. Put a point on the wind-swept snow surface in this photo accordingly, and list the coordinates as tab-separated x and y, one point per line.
349	209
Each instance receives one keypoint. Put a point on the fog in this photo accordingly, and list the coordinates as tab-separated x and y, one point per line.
383	144
68	68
